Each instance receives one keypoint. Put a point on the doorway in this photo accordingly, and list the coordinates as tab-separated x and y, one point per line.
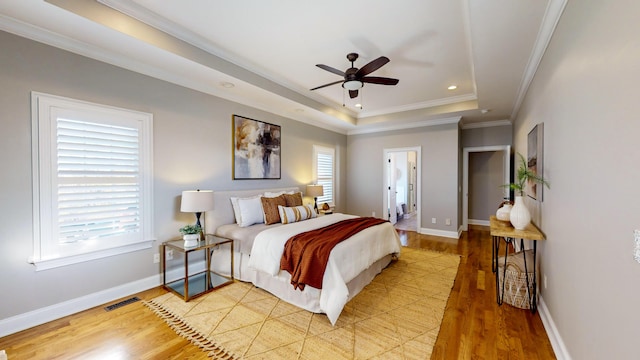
401	192
504	152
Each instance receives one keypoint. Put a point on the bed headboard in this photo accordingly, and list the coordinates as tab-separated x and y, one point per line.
222	212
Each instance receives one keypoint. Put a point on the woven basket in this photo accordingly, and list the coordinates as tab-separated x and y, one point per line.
515	285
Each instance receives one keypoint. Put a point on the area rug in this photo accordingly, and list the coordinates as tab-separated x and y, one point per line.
397	316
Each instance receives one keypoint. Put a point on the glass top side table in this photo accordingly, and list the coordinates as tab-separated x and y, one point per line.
194	283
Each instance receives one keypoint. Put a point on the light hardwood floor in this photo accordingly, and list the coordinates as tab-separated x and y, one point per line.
474	326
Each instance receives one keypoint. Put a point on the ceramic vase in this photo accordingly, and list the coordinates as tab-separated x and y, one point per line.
519	216
191	240
504	213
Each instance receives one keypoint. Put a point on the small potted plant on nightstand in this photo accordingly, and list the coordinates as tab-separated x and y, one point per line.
190	235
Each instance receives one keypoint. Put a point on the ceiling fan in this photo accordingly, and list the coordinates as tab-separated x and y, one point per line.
355	78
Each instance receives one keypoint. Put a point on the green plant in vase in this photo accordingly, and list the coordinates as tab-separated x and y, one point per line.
520	216
190	234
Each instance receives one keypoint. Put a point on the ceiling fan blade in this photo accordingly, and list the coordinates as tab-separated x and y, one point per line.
330	69
379	80
329	84
372	66
353	94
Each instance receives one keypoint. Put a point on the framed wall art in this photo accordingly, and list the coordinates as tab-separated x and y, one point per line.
534	160
256	149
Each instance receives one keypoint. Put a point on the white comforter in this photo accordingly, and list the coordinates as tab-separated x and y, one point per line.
348	259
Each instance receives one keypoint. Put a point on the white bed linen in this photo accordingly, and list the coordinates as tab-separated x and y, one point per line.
370	244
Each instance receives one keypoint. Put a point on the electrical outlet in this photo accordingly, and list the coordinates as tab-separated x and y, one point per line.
373	214
156	258
433	220
447	222
169	254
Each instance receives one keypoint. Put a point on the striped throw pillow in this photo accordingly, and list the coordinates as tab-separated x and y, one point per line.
296	213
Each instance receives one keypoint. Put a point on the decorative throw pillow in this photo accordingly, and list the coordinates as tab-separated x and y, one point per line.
294	199
250	211
296	213
270	208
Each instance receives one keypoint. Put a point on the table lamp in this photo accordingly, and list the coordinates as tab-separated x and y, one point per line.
196	201
314	191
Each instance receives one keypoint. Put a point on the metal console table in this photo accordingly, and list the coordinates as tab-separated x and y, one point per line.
501	230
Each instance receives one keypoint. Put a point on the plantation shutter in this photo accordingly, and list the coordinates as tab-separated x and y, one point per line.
98	180
325	175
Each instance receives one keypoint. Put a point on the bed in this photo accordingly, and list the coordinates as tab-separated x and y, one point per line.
258	248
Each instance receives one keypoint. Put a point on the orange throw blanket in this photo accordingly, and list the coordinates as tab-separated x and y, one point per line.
306	254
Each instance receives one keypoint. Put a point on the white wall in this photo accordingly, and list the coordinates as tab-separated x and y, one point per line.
586	92
192	149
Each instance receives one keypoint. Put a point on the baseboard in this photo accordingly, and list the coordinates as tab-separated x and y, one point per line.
443	233
552	332
479	222
43	315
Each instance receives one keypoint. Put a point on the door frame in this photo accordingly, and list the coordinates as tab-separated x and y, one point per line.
385	155
465	175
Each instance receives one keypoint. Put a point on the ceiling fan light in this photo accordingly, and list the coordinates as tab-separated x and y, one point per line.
352	85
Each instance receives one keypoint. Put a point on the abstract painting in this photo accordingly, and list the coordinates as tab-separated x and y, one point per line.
534	160
256	149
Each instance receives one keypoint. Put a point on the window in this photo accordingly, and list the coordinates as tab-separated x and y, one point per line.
92	181
324	173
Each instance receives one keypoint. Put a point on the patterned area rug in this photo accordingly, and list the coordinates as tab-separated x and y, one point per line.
397	316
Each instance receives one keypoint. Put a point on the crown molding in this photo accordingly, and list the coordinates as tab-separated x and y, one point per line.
552	14
425	123
486	124
420	105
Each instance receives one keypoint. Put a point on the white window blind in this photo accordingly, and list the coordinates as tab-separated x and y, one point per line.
98	173
92	181
324	170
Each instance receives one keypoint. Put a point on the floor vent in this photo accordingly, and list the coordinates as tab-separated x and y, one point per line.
121	304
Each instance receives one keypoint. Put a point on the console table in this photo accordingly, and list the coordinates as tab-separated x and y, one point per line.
502	230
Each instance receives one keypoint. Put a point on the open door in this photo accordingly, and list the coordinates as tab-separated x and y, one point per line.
408	187
392	215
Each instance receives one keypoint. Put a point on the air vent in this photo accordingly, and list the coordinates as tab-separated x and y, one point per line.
121	304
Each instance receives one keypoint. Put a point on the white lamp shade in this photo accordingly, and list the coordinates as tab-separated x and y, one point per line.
196	201
315	190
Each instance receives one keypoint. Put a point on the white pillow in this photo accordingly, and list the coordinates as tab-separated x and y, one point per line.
297	213
250	211
236	209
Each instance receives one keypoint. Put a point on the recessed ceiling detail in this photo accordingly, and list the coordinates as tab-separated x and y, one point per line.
490	48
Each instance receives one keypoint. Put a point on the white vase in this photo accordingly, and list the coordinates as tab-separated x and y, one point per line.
191	240
519	216
504	212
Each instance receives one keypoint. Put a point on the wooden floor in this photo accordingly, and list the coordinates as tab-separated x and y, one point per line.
474	326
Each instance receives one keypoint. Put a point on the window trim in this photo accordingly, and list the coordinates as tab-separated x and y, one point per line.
317	149
42	108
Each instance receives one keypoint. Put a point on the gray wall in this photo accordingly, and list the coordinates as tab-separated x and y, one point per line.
439	169
586	93
487	136
192	149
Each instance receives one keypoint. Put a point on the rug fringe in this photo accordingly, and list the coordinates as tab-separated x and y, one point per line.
181	328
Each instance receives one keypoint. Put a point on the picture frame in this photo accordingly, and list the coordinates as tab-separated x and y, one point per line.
256	149
535	160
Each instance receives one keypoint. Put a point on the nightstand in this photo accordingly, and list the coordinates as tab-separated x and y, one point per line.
193	283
